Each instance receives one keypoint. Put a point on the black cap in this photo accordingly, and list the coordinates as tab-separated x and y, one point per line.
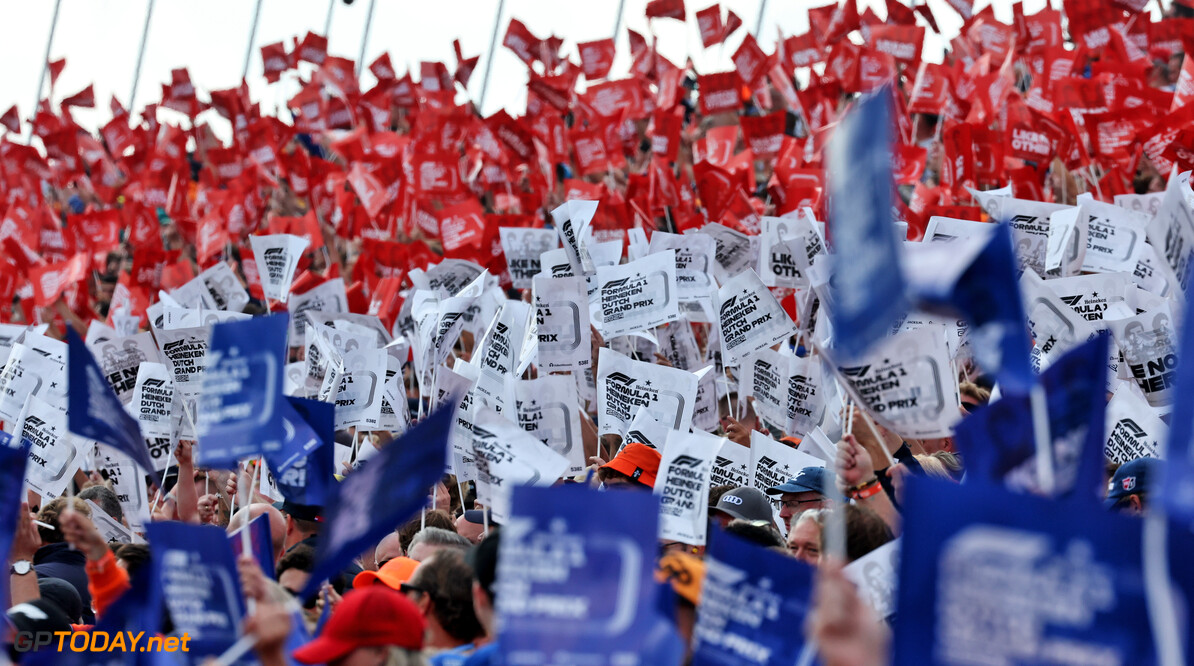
483	559
38	615
63	595
308	512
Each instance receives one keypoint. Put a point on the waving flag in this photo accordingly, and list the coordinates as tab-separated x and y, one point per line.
94	411
385	491
868	286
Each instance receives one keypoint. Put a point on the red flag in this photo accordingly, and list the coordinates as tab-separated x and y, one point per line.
596	58
732	23
85	98
11	120
764	134
520	40
462	226
719	92
49	281
751	62
902	42
56	67
274	61
673	9
710	26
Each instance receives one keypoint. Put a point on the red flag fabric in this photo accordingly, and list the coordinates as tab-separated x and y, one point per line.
710	25
672	9
597	58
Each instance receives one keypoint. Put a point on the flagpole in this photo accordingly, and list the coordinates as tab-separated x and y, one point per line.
140	57
45	66
759	22
327	24
365	39
497	22
252	39
618	21
1044	440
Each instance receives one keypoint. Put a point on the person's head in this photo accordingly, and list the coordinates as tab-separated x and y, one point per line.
442	589
63	595
471	525
374	626
482	558
295	568
865	531
387	549
804	537
302	521
760	532
49	515
277	525
132	556
393	574
635	466
105	498
1131	485
406	534
741	504
433	539
39	615
952	464
801	493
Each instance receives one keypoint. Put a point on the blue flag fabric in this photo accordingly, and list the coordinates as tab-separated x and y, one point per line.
14	455
196	572
380	495
987	294
993	577
576	574
753	605
261	537
94	411
304	467
1177	484
998	443
867	289
239	414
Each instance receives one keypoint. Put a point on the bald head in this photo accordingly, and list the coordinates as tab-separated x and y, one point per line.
387	549
277	524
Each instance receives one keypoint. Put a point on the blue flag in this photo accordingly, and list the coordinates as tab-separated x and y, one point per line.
94	411
239	414
984	289
753	605
380	495
14	454
998	444
868	287
576	573
263	544
304	467
993	577
1177	486
196	572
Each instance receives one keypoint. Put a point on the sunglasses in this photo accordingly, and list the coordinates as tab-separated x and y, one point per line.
407	588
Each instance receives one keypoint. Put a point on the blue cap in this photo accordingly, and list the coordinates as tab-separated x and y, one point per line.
1132	478
810	479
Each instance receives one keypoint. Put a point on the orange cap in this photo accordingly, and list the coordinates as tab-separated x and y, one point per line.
637	461
392	574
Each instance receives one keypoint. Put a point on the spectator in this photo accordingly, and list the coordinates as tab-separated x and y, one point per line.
56	558
804	538
374	625
433	539
442	590
1130	487
746	504
635	466
801	493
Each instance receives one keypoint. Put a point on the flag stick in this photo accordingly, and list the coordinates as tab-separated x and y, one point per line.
618	20
364	38
140	57
1162	611
875	432
327	24
252	39
497	24
45	66
238	649
759	22
1044	440
169	456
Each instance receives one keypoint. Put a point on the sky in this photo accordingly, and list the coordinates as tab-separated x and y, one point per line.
100	39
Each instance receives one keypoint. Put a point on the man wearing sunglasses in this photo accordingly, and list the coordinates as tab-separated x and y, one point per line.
802	492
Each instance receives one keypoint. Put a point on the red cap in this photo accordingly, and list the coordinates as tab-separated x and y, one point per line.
637	461
371	616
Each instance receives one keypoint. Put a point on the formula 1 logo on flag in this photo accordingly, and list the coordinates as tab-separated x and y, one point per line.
637	296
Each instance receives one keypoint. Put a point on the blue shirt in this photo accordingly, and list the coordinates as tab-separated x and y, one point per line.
457	656
486	655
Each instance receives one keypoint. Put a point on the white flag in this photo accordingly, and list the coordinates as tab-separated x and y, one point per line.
508	456
328	298
1133	429
636	296
749	317
695	259
623	385
524	249
772	463
731	467
547	409
224	287
562	321
685	471
153	401
1148	343
277	258
54	456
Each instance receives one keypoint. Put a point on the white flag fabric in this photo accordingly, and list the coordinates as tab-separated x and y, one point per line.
624	385
637	295
705	413
547	408
572	220
119	359
685	471
54	456
329	298
875	576
128	482
1171	232
772	463
1133	429
695	259
508	456
359	393
1148	342
735	252
499	354
185	350
1115	236
561	318
749	317
524	249
27	372
906	383
786	389
731	467
447	278
153	401
277	258
782	241
224	288
457	385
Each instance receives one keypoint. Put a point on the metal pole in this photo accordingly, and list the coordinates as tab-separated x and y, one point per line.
759	23
497	22
45	64
618	21
140	57
252	39
365	39
327	24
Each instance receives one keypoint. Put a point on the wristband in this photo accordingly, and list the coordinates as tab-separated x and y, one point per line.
869	490
864	484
